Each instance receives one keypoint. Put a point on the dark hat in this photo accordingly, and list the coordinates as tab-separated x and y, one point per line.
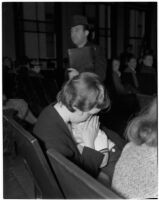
79	20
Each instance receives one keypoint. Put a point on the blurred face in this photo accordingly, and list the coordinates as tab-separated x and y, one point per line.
116	65
132	63
148	61
79	116
36	69
79	35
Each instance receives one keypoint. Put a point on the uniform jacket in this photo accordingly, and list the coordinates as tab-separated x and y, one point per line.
100	65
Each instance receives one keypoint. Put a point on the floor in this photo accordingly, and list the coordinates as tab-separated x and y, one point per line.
17	183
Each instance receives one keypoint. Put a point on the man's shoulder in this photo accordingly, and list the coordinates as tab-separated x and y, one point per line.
92	44
99	50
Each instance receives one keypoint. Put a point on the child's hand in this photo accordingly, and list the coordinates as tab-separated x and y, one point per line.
90	131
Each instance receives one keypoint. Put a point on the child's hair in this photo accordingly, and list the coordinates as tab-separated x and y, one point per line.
84	91
143	128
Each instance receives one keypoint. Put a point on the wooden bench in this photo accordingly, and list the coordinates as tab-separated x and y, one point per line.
76	183
27	146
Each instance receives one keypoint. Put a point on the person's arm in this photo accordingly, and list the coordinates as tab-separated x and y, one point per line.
105	158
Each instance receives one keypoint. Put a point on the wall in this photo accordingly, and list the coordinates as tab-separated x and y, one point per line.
154	31
68	9
120	30
8	37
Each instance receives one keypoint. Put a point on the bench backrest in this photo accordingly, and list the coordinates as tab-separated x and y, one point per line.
75	182
28	147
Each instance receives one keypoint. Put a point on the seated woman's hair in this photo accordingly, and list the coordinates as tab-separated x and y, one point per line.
131	56
116	58
84	92
143	128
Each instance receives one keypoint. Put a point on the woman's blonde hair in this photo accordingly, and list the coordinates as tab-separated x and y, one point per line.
84	91
143	128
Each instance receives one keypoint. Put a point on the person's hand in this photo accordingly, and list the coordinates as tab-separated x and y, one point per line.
90	131
72	72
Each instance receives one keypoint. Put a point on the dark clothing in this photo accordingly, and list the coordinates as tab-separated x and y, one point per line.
146	69
99	61
113	158
130	80
54	133
124	102
123	59
119	88
147	80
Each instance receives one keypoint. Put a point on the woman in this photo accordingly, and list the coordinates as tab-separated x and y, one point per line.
148	75
116	76
129	77
80	98
124	102
135	174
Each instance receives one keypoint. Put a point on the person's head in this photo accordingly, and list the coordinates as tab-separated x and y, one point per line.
115	64
84	95
36	69
79	30
131	62
129	48
148	60
143	128
7	62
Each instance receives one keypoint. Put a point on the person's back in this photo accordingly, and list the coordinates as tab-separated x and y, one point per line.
135	174
132	170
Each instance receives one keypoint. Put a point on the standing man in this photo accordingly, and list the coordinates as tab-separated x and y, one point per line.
79	36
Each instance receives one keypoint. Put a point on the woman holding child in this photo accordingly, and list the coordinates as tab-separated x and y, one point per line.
79	101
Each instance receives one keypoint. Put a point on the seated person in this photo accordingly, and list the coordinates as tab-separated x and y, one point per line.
124	56
81	97
19	110
121	94
147	76
135	174
116	76
23	113
129	76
